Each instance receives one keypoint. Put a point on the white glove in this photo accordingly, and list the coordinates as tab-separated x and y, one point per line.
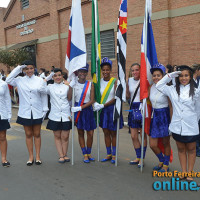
9	120
72	83
48	78
73	80
76	109
44	115
98	106
141	107
174	74
23	66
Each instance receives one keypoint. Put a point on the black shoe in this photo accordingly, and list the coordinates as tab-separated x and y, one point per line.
6	164
29	163
38	162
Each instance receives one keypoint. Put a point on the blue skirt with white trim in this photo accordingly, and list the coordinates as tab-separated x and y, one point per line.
86	120
106	119
131	119
159	127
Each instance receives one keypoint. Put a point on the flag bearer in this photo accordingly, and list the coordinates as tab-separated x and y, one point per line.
107	89
84	115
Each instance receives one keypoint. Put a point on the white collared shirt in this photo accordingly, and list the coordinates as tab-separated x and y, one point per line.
157	98
184	119
5	101
60	108
31	96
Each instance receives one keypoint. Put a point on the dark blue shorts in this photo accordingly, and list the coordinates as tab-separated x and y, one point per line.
55	126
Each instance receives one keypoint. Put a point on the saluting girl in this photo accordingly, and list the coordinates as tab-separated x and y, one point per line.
135	116
84	116
184	123
107	88
160	120
59	116
5	116
32	106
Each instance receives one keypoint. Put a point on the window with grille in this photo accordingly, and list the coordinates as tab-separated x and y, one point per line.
25	4
107	44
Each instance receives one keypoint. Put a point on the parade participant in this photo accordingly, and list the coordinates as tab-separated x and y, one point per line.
107	88
5	116
2	74
196	77
84	116
184	124
42	73
32	106
160	120
135	116
59	116
169	68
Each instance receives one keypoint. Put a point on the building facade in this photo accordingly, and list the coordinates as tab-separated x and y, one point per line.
42	27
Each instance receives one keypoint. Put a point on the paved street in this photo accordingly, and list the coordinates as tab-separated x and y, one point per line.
98	181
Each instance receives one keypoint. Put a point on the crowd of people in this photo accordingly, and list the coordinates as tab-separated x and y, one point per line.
174	96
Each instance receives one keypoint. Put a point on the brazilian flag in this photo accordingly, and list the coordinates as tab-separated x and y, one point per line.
96	51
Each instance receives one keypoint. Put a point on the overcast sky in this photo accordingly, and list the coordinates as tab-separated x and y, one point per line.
4	3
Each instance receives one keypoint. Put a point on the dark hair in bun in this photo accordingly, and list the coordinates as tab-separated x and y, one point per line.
28	62
57	70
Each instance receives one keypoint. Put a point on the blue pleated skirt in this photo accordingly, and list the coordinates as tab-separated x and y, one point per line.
131	121
159	127
106	119
86	120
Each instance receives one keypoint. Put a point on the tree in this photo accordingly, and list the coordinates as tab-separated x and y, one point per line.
12	58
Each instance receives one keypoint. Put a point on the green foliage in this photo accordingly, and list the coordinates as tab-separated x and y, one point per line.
13	58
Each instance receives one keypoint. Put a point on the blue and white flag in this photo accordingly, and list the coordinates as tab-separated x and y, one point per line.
76	48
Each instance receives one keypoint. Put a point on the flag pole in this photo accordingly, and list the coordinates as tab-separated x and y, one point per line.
117	143
73	128
143	124
97	56
144	100
98	138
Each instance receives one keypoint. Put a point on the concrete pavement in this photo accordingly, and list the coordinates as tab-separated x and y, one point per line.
98	181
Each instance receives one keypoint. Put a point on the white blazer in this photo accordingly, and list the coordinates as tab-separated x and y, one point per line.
5	101
184	119
60	108
32	97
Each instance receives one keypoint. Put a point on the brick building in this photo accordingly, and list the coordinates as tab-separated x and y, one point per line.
42	27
